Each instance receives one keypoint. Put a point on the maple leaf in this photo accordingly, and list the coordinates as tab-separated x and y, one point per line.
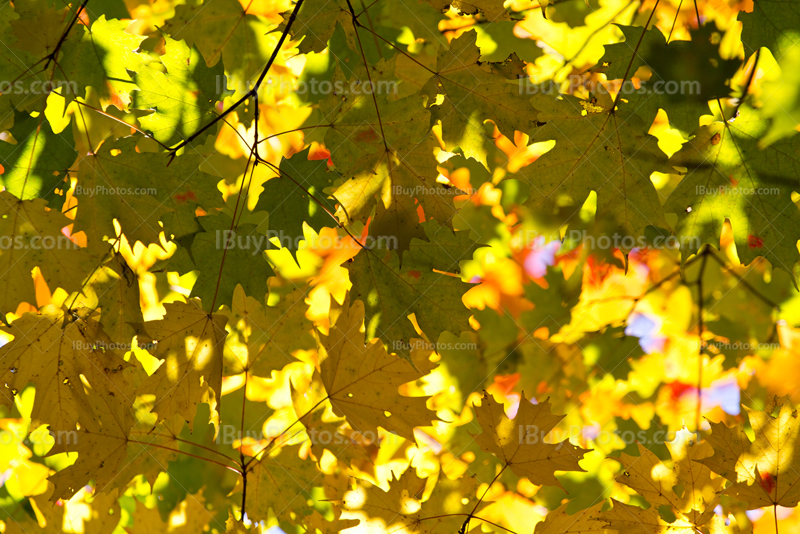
492	10
315	412
316	22
519	442
115	50
405	506
55	351
657	483
352	371
588	521
95	514
610	145
370	135
17	64
764	470
552	306
113	449
627	518
222	29
729	177
234	526
317	523
116	293
694	67
288	198
242	246
182	99
269	334
189	517
772	24
474	93
281	482
390	293
110	186
38	163
190	341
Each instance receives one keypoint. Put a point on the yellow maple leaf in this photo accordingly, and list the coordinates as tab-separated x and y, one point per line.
765	471
520	442
362	380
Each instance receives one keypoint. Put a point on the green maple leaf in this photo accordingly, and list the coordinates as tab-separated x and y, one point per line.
773	24
776	26
317	21
38	27
133	187
552	306
19	25
416	15
38	163
400	220
183	98
782	98
608	153
245	262
101	58
472	94
498	42
369	139
383	148
391	292
286	198
222	29
695	67
730	177
111	9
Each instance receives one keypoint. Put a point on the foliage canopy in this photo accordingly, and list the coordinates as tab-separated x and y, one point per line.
409	266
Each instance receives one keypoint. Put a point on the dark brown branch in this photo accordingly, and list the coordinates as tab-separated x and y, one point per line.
254	91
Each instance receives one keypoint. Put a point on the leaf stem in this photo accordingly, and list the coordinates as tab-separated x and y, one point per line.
52	55
209	449
634	56
472	516
698	414
185	453
465	526
775	515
